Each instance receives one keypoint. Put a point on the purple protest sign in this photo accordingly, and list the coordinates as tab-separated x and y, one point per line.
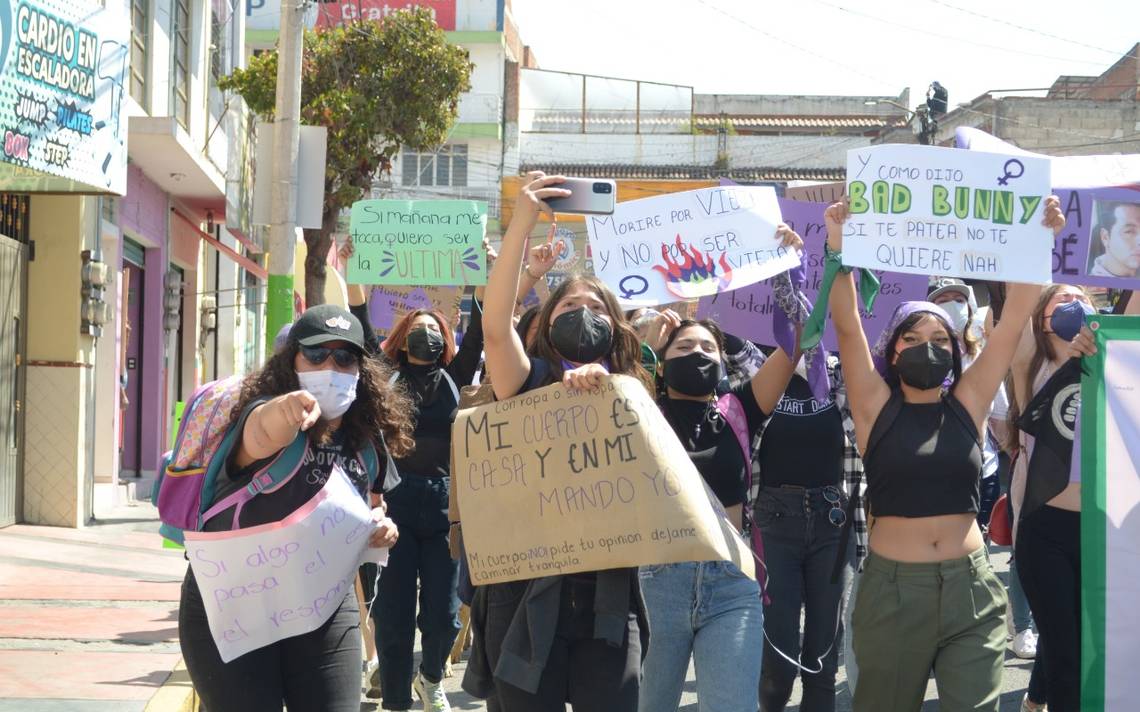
747	312
1100	245
387	304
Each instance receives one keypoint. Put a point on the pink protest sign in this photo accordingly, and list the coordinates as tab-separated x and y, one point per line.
747	312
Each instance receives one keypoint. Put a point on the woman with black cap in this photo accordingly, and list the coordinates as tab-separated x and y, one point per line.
319	388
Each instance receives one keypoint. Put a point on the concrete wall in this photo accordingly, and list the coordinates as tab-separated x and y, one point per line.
1057	127
776	104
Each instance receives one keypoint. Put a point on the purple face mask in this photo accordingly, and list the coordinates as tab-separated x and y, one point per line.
902	312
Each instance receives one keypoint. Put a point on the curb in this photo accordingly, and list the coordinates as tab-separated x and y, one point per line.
176	694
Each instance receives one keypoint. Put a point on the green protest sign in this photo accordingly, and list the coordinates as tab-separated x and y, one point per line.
418	242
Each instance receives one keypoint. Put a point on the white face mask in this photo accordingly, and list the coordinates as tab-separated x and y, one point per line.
334	391
959	313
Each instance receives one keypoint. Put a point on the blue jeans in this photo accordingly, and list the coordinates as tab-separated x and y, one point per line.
801	545
419	508
712	612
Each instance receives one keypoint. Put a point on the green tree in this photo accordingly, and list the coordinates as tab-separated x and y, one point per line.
376	86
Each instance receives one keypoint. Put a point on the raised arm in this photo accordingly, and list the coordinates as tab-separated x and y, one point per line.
867	392
507	362
980	382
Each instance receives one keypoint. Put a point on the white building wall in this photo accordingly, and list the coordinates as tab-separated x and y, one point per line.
687	149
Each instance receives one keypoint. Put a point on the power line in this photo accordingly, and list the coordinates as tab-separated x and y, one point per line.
846	66
952	38
1023	28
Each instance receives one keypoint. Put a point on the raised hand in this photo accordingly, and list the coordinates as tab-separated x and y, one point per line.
544	256
1054	218
835	216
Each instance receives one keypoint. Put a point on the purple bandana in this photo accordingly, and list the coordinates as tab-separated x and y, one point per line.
904	310
794	311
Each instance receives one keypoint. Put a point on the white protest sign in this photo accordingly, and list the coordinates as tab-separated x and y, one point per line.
944	211
688	245
270	582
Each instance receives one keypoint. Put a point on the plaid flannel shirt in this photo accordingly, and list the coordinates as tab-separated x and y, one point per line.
741	366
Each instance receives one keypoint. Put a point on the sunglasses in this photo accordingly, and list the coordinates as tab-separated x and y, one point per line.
835	515
316	355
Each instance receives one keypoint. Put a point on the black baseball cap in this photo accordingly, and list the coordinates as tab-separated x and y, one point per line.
327	322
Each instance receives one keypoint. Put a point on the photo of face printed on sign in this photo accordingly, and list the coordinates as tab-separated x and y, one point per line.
1114	245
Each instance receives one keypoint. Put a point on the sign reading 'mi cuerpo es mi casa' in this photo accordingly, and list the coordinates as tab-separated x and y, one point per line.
63	74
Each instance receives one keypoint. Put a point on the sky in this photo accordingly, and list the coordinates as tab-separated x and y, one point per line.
860	47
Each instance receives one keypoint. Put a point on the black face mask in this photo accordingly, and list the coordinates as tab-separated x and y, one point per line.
924	366
694	374
425	344
581	336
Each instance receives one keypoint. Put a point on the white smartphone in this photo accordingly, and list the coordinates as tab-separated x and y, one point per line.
588	196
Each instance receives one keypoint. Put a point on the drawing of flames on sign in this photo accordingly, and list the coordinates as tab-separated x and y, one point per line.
695	276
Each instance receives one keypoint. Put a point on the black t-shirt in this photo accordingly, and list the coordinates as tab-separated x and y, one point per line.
313	473
711	443
436	403
436	408
803	442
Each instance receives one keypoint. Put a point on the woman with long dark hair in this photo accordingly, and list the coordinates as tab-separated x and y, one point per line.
541	643
1047	504
929	599
322	387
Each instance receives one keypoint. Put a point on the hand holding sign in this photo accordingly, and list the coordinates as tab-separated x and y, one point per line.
386	533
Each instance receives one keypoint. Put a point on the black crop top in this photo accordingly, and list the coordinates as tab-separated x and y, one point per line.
923	460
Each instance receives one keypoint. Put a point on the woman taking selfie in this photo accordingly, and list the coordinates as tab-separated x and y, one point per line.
578	638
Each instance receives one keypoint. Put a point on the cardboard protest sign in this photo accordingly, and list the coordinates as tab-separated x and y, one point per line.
941	211
818	193
557	481
388	304
688	245
274	581
1109	451
747	312
418	242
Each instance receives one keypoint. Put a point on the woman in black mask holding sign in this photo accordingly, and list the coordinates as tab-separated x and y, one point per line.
929	599
577	638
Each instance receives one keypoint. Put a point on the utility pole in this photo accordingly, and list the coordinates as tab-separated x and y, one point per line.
286	140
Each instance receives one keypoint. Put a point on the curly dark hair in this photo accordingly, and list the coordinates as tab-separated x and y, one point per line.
378	408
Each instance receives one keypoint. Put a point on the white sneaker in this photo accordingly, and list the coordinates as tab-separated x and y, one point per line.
431	694
1025	644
